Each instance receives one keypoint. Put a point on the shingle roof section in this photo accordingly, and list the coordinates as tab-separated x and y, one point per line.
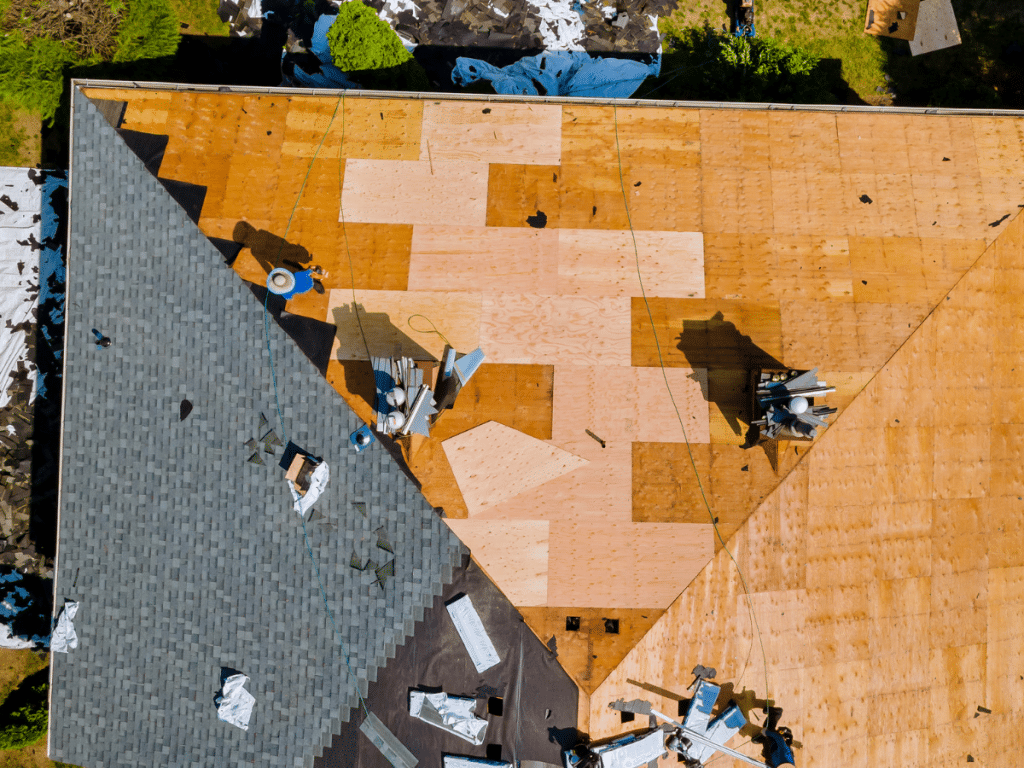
186	557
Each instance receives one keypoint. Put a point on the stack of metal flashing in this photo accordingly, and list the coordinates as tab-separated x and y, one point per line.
786	407
404	402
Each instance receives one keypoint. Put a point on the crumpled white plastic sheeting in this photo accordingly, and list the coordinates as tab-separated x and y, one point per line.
317	483
451	713
234	704
392	8
560	25
64	637
19	271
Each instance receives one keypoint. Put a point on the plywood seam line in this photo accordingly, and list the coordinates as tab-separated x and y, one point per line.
277	403
682	425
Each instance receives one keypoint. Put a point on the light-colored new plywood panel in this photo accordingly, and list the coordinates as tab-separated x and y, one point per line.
699	333
660	136
514	554
763	266
601	490
492	132
484	259
734	138
526	328
737	200
595	262
625	565
377	129
493	463
874	143
387	318
806	141
403	192
622	404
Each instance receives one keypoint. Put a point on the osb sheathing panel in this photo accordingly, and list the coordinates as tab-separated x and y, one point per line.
590	652
885	571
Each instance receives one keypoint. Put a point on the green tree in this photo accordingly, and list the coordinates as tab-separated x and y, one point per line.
360	40
705	65
23	714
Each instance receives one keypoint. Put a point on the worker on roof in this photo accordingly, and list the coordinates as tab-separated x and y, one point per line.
776	741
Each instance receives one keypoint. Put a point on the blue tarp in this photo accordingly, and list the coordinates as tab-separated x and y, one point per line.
560	73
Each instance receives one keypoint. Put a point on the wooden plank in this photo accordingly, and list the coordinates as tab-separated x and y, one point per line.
734	138
696	333
147	111
880	205
604	263
892	18
589	653
660	136
513	554
737	200
483	259
950	206
362	128
516	192
518	396
385	318
525	328
909	270
802	141
492	132
624	565
599	491
805	202
621	404
998	143
756	267
406	192
493	463
873	144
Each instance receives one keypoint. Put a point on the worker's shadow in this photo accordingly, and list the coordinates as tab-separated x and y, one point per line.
270	250
717	346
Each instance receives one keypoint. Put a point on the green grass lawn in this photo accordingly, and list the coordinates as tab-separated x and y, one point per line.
831	30
200	16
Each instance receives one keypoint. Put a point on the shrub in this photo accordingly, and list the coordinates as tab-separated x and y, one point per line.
702	64
31	73
149	30
360	40
23	715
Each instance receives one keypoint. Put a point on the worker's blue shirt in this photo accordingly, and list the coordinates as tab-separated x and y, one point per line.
303	283
778	751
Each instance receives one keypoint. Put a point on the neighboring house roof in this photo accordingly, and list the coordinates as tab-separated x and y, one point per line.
185	557
854	242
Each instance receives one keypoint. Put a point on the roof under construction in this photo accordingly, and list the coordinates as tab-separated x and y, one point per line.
624	270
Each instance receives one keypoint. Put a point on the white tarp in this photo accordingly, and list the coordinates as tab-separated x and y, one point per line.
451	713
474	636
9	640
317	482
64	637
19	270
234	704
559	24
634	754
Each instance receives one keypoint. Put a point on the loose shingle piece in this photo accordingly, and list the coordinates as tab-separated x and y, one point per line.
188	559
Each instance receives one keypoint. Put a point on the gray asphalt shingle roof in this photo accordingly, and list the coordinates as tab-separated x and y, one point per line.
186	557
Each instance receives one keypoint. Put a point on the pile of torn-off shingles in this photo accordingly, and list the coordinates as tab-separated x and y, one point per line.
185	556
628	26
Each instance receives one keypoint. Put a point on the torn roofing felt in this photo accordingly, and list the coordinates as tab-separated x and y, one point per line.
185	556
